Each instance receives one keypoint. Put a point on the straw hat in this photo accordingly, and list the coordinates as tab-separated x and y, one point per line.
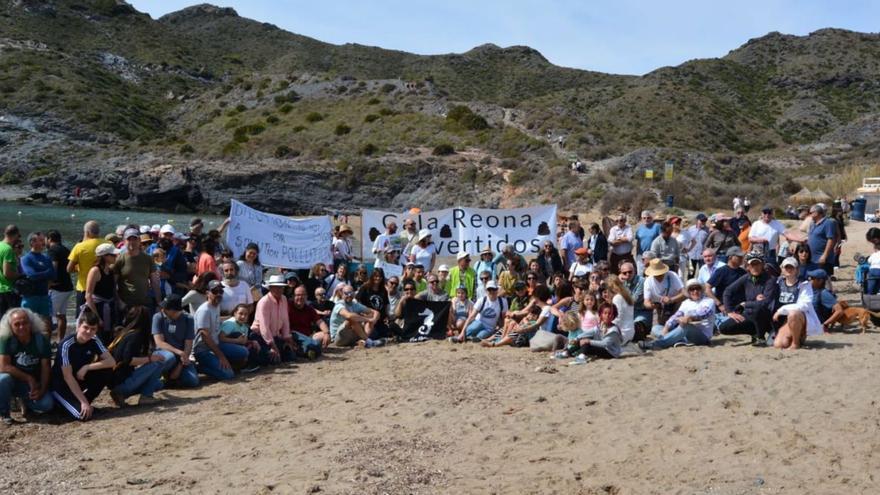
656	268
345	228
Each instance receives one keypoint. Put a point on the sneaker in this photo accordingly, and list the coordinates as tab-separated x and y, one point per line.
644	345
454	340
148	400
475	339
250	369
580	359
682	344
560	354
117	399
7	420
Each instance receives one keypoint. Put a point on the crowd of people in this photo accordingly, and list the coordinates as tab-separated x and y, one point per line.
159	308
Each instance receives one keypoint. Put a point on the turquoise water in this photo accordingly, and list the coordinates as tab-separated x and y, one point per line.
69	220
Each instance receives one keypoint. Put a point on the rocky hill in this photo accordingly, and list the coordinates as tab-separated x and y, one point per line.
102	105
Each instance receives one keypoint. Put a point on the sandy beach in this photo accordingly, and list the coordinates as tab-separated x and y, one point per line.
437	418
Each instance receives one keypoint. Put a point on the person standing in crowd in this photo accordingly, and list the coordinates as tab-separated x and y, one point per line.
645	235
61	288
38	268
272	324
697	233
82	258
722	239
569	243
822	238
215	358
745	227
666	247
173	270
388	238
765	232
250	271
207	258
101	293
582	265
8	268
173	334
757	291
409	237
342	247
307	326
487	262
462	275
196	233
83	367
597	244
620	237
136	276
738	216
25	360
234	291
425	251
549	261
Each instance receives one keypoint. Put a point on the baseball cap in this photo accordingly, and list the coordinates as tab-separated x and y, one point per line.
491	285
735	251
105	249
172	302
818	274
519	285
167	229
461	255
144	229
790	261
155	228
291	276
702	217
754	257
215	286
443	268
129	233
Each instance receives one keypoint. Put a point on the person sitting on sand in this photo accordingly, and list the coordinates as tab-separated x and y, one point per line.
213	357
272	324
25	359
461	308
137	370
693	323
757	291
236	331
795	318
828	309
512	332
173	333
83	367
663	290
486	316
724	276
604	341
351	323
304	321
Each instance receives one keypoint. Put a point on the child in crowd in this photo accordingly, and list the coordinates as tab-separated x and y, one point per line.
588	311
461	308
236	330
508	337
571	324
323	305
159	257
604	341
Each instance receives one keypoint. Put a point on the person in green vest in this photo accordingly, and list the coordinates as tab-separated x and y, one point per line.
8	269
462	274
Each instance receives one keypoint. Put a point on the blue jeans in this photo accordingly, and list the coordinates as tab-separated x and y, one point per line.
479	330
10	387
145	380
305	344
208	363
188	378
687	333
873	281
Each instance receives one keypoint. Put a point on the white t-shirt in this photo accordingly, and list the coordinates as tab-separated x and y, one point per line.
233	296
624	320
342	248
616	233
874	260
769	231
578	269
699	235
423	255
548	322
489	311
670	286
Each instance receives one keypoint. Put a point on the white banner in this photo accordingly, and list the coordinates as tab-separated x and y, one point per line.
284	242
470	229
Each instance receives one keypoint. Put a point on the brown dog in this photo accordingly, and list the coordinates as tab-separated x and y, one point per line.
862	315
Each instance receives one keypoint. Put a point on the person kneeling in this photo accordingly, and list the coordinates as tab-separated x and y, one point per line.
173	334
137	371
82	368
693	323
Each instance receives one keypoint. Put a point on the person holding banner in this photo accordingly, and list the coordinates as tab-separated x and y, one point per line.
462	275
383	241
425	251
390	262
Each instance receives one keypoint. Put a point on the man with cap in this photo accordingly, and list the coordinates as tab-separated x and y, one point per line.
214	358
485	318
698	233
173	333
620	239
666	246
136	275
582	266
765	232
724	276
461	274
828	309
272	324
569	243
82	257
757	291
442	276
823	236
165	232
663	291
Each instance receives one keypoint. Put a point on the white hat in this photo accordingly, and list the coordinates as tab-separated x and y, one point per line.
790	261
424	234
155	228
145	229
491	285
105	249
693	282
276	281
129	233
443	268
462	255
120	229
167	228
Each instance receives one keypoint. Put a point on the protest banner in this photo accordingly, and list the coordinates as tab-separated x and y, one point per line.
284	242
424	320
471	229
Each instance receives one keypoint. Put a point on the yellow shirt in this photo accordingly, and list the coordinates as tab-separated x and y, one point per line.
83	253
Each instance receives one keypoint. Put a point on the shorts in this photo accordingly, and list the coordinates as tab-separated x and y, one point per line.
346	337
40	305
59	301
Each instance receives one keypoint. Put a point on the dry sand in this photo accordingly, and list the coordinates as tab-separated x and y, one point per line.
438	418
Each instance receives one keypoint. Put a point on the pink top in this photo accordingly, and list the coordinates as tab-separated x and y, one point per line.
207	263
270	318
589	321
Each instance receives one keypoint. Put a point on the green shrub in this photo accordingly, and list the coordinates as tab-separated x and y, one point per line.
272	119
465	117
518	177
342	129
368	149
314	117
286	108
186	149
386	112
371	101
255	129
371	118
240	108
284	151
443	149
231	148
299	128
387	88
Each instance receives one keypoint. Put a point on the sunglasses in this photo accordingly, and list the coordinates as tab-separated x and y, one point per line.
627	272
392	283
492	290
694	289
484	279
348	293
530	278
432	282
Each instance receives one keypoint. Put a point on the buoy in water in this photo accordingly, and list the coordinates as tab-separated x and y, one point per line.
19	213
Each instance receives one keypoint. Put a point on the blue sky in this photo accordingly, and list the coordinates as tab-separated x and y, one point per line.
617	36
